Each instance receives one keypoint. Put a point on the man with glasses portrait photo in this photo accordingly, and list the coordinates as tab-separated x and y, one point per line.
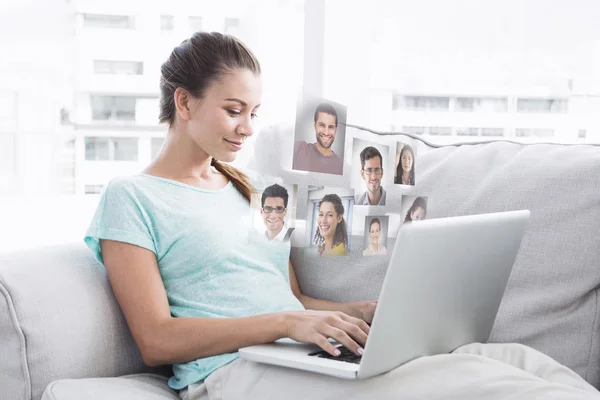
274	202
371	172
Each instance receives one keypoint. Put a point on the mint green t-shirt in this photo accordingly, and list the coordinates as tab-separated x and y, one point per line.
208	265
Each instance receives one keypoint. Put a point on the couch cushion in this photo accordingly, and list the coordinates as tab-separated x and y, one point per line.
130	387
551	302
59	319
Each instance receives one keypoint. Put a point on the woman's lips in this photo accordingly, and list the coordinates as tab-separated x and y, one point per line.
237	146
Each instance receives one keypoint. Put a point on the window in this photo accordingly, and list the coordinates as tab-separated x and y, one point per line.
111	149
108	21
535	132
93	189
96	149
415	130
113	108
156	145
125	149
440	131
424	103
478	104
467	131
232	26
490	132
118	67
553	106
195	23
430	130
167	23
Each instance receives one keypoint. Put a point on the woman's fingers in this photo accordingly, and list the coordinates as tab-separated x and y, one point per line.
326	345
354	332
342	337
356	321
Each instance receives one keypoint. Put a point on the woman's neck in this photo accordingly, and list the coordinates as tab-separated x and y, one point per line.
375	246
329	243
405	175
182	160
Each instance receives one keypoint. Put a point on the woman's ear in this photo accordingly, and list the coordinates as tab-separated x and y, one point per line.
182	99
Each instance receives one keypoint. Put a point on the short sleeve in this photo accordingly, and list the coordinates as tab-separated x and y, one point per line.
120	216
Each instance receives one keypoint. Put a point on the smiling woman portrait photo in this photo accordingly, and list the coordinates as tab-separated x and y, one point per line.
331	235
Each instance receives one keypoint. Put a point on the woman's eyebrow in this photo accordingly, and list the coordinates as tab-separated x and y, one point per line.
241	102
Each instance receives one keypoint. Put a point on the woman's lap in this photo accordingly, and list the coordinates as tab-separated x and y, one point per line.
474	371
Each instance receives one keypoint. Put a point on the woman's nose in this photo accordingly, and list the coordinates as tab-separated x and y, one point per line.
245	128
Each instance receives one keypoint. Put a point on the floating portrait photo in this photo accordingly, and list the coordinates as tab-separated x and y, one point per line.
274	213
375	235
369	172
329	220
404	167
414	208
319	136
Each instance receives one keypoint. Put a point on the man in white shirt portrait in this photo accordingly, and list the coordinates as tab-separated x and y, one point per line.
273	210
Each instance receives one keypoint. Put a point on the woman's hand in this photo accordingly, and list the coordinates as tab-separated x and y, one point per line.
363	309
318	326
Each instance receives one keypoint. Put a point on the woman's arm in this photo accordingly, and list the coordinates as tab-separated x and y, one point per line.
162	339
363	310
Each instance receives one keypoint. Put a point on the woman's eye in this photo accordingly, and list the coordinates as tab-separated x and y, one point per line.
253	115
233	112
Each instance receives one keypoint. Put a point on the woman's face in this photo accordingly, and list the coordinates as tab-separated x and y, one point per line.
221	121
328	219
407	161
374	233
418	214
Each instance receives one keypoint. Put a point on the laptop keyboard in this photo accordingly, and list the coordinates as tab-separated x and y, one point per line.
346	356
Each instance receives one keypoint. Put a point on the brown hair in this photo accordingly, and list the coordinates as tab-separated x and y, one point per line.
341	232
194	65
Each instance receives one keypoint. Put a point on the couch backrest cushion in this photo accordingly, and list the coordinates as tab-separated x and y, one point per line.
551	302
59	319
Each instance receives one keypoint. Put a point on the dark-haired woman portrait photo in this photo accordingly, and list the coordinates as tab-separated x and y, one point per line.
405	168
331	235
417	211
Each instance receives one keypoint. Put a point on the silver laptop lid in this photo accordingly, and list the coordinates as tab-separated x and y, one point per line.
443	287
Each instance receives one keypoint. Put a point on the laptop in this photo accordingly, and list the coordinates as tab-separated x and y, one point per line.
442	290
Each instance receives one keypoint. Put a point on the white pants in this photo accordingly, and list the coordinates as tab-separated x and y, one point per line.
475	371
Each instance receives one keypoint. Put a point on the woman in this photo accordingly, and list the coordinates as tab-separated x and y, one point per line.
405	170
417	211
374	248
331	235
191	288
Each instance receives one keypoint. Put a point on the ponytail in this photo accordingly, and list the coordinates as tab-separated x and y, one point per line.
239	180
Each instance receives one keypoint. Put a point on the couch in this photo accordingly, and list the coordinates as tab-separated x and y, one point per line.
62	335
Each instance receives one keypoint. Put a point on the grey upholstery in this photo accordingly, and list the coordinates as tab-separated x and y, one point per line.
131	387
551	302
59	319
